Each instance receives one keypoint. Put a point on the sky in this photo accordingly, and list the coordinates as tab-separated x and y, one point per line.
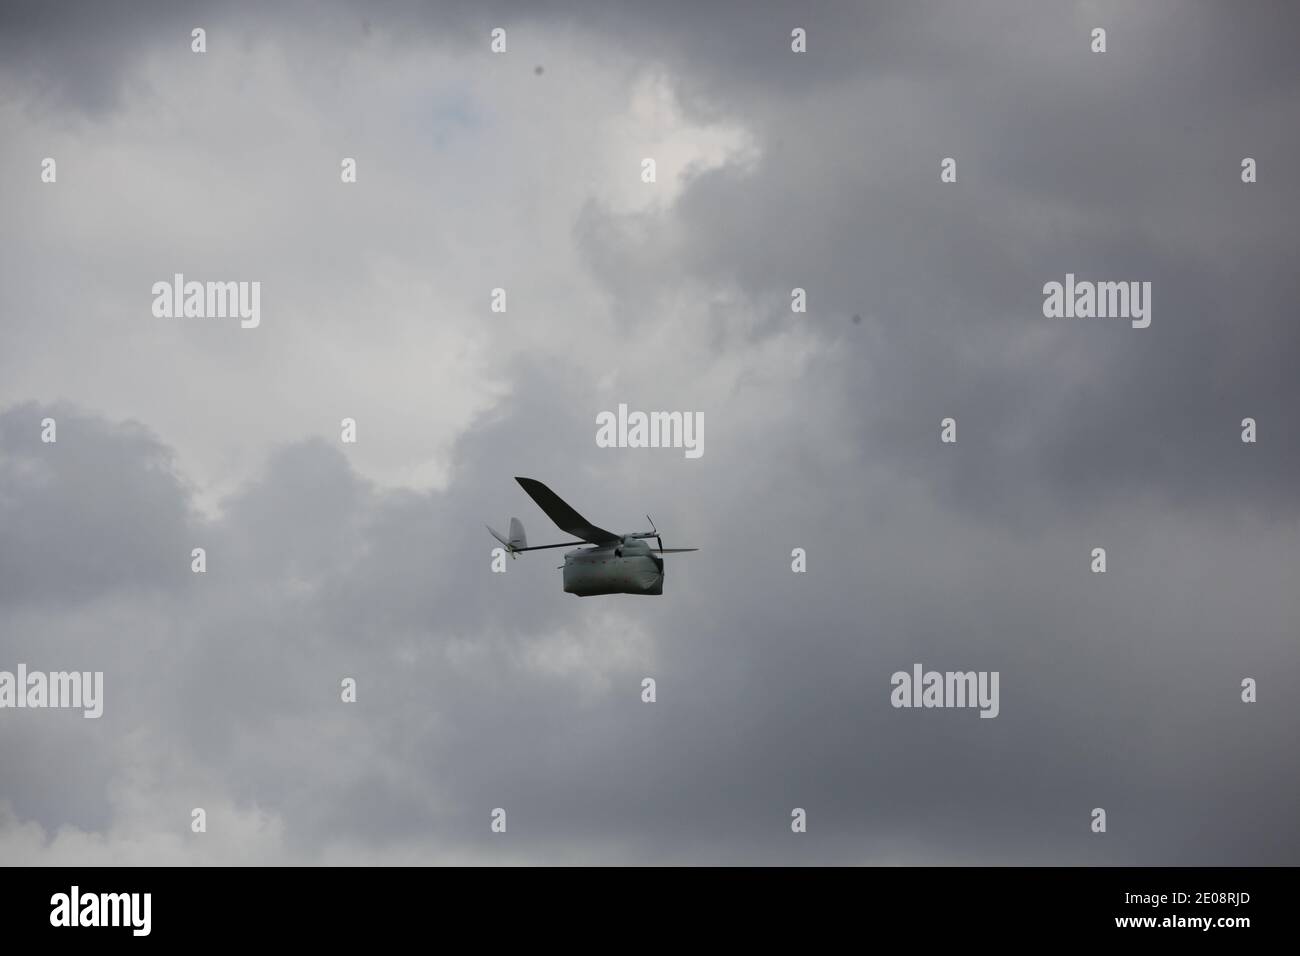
776	170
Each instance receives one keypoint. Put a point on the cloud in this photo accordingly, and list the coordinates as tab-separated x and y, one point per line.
479	690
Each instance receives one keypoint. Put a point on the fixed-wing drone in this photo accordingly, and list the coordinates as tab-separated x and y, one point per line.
615	564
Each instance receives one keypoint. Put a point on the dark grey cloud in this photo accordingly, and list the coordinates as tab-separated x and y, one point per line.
101	510
1118	691
1123	172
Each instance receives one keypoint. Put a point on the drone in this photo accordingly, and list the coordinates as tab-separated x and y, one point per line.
614	564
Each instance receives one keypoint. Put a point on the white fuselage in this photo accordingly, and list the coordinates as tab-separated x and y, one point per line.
628	567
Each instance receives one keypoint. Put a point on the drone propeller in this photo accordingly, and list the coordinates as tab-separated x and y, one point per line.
656	532
660	541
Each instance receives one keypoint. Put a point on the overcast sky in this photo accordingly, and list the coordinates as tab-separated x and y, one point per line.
776	170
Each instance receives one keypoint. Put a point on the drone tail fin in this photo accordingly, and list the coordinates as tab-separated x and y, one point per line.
517	537
517	540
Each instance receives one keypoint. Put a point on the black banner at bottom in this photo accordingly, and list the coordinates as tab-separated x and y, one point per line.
652	906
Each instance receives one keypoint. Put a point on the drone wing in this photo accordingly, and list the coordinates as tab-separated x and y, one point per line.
565	518
671	550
